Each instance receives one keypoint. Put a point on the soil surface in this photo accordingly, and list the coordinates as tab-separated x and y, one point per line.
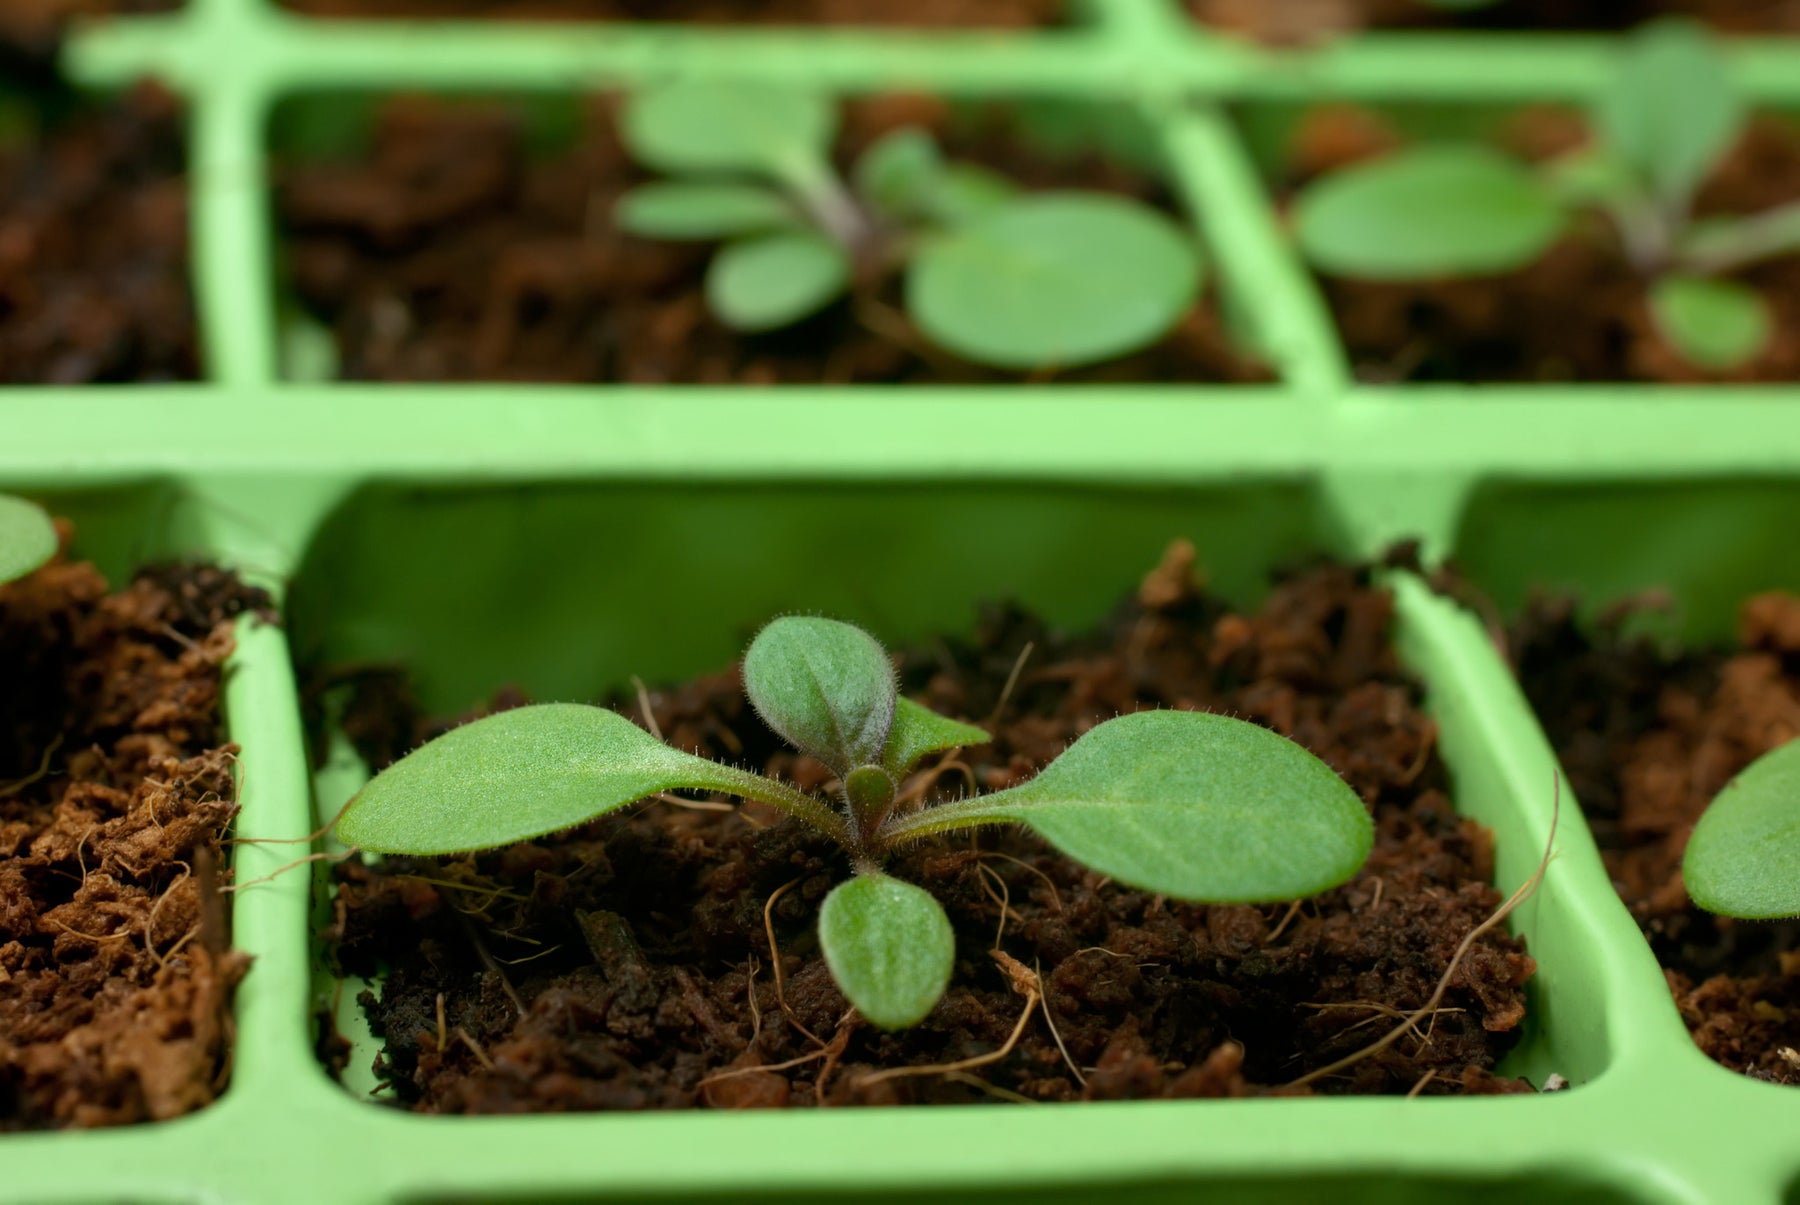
115	793
449	254
1648	739
625	965
1012	14
1579	313
1299	22
94	247
31	31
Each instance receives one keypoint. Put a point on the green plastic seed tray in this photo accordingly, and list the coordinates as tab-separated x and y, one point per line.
564	537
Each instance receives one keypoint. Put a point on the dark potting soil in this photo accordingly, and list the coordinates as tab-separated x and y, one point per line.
115	793
624	965
1649	738
1011	14
1579	313
32	31
450	254
94	248
1300	22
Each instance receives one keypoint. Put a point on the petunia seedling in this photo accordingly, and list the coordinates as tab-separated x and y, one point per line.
1660	125
1188	804
1003	278
1743	858
27	537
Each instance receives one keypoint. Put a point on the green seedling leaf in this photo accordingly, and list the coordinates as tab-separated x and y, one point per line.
1431	211
826	687
1670	110
774	281
27	537
918	731
967	191
1744	856
695	127
889	946
1593	175
1053	280
535	770
1720	243
702	211
899	171
1717	325
1186	803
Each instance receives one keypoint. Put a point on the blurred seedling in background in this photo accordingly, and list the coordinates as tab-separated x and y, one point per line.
1743	859
1187	804
1003	278
1660	126
27	538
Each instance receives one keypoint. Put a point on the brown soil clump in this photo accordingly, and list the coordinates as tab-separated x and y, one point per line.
943	14
449	254
115	794
624	965
32	31
94	249
1303	22
1648	739
1580	312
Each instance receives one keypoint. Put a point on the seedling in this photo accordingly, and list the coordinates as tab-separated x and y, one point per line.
1661	124
1743	858
1197	806
1042	281
27	538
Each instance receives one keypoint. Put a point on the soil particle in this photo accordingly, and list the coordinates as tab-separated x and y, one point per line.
1013	14
1580	312
32	31
94	248
1648	738
1302	22
624	965
449	253
115	794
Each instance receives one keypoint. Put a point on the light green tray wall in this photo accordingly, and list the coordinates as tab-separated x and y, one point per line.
377	497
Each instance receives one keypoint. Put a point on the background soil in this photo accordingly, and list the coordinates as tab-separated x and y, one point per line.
1649	738
450	254
31	31
625	965
115	793
94	246
1579	313
1304	21
928	13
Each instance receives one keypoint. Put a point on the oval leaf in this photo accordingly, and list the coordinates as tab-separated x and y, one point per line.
889	946
775	281
1670	110
919	730
898	171
1431	211
964	192
1186	803
702	211
524	773
826	687
27	537
1716	325
1744	856
695	126
1054	280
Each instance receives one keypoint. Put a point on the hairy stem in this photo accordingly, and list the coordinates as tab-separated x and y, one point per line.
1747	240
798	804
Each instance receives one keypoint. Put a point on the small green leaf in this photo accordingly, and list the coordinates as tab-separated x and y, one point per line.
1716	243
889	946
27	537
1716	325
898	171
1743	858
1593	175
1446	210
702	211
918	731
1186	803
826	687
964	192
717	126
1053	280
1670	110
530	771
766	283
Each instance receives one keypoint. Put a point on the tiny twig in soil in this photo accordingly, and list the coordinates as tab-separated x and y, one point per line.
88	936
443	1037
643	698
150	921
993	1090
1292	912
775	961
790	1064
1423	1080
840	1041
475	1049
13	788
315	835
1050	1020
1055	895
487	960
1004	899
1012	680
750	999
926	779
979	1060
229	888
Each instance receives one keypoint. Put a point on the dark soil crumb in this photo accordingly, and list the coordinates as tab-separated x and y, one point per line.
1300	22
94	249
32	31
1009	14
1648	738
1579	313
625	966
448	254
115	793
